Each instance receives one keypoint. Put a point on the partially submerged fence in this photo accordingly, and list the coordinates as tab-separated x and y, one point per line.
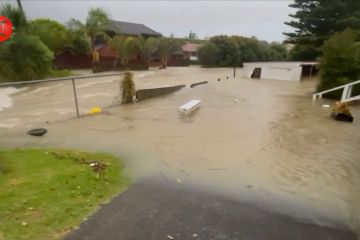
346	95
72	79
143	94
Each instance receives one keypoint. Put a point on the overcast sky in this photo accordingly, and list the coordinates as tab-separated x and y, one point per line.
263	19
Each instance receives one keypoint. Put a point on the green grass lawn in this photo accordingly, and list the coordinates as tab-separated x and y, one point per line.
45	193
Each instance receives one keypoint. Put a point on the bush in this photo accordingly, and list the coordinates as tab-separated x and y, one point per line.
208	54
52	33
128	88
340	61
26	58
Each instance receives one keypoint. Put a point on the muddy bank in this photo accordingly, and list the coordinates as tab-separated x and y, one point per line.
251	140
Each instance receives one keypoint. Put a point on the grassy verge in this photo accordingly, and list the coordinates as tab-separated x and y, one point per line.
61	73
46	192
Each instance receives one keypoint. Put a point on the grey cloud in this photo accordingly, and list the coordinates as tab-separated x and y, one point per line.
263	19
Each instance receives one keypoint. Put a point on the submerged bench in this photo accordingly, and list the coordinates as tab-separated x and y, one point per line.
190	106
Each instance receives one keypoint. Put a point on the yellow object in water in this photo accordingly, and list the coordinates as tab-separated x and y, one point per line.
95	110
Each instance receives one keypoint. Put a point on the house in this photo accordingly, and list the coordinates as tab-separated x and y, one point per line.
109	55
190	51
289	71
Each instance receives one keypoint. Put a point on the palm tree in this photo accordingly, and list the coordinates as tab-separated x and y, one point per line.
125	47
147	47
168	46
96	23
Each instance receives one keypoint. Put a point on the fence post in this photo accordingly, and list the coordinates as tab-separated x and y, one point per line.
75	98
349	93
234	72
345	92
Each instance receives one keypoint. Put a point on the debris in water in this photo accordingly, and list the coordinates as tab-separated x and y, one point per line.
170	237
325	105
341	112
236	100
95	110
190	106
37	132
179	180
216	169
195	235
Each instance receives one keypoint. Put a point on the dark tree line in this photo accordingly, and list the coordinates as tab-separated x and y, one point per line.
225	51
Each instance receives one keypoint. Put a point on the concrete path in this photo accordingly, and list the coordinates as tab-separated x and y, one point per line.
154	211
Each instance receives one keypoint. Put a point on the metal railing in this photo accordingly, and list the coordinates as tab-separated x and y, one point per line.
72	79
346	94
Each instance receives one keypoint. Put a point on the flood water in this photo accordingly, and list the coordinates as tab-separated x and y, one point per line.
252	140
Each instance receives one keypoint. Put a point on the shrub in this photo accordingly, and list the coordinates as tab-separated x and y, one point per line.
25	58
128	88
340	61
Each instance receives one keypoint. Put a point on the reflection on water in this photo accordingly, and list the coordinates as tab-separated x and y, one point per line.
255	140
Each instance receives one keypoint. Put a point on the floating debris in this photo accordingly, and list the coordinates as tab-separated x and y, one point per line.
95	110
37	132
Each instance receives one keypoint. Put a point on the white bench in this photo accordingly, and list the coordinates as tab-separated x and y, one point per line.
190	106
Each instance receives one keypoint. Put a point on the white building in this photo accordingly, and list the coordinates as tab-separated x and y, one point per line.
289	71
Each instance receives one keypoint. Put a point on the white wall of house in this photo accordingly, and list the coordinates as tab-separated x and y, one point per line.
288	71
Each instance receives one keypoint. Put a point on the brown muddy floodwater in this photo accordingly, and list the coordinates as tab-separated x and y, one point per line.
252	140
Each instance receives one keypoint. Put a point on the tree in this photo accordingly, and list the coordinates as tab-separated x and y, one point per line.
304	52
25	57
208	54
16	15
278	52
96	23
168	46
340	62
52	33
125	47
127	88
228	50
317	20
192	36
225	51
147	47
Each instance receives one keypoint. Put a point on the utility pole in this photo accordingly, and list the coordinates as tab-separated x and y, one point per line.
20	5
